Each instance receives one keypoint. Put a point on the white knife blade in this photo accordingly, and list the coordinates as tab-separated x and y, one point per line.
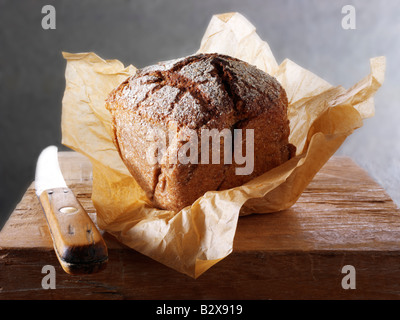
48	172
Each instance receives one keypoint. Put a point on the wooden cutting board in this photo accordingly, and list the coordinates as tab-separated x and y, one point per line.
343	218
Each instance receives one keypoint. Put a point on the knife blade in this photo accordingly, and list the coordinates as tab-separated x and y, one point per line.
77	242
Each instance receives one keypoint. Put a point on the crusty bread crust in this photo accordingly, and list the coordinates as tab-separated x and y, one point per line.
204	91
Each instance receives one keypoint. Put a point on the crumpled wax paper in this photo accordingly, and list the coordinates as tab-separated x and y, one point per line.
194	239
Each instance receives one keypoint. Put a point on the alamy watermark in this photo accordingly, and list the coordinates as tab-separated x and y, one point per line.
349	280
349	18
186	146
49	20
49	280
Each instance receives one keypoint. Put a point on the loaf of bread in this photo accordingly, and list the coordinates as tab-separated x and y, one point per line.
160	115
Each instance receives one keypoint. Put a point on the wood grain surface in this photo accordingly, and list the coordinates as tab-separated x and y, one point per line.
343	218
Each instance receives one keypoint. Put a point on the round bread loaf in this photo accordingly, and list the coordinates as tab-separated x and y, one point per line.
177	102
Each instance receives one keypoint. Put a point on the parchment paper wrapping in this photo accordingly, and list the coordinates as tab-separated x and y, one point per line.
192	240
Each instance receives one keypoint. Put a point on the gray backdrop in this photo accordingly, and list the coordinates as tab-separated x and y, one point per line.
142	32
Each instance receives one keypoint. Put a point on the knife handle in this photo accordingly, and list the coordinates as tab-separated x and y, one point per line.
77	242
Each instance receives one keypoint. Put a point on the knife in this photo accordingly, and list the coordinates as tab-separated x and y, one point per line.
77	242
